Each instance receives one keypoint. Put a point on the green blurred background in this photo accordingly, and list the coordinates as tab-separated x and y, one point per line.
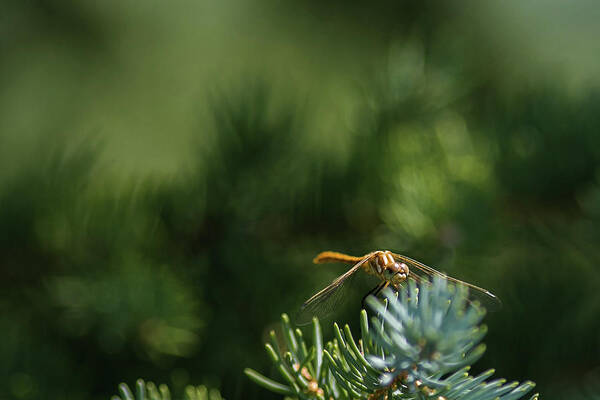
169	169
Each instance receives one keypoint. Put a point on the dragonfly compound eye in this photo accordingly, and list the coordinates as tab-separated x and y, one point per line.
404	268
400	272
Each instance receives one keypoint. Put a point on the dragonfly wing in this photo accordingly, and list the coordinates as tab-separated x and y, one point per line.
421	272
325	302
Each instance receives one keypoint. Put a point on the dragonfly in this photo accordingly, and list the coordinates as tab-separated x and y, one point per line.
391	269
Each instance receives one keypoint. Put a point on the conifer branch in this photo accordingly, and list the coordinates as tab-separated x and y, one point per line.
418	345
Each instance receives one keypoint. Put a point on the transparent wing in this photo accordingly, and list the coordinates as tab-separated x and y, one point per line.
324	303
421	272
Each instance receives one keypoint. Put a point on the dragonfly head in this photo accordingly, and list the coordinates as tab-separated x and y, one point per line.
396	272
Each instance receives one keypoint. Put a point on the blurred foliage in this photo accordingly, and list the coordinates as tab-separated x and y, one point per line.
446	150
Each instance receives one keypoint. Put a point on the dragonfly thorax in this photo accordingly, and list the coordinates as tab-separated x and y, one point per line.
384	266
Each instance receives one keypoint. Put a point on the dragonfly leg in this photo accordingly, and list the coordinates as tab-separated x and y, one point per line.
381	287
375	291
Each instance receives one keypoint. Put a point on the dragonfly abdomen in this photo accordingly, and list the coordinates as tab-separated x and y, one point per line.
334	256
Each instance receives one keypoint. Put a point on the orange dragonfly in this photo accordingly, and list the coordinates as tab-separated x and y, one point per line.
391	269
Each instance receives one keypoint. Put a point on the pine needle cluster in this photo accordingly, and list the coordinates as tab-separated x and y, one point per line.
417	344
149	391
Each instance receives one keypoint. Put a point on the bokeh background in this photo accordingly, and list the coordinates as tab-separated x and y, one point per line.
169	169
